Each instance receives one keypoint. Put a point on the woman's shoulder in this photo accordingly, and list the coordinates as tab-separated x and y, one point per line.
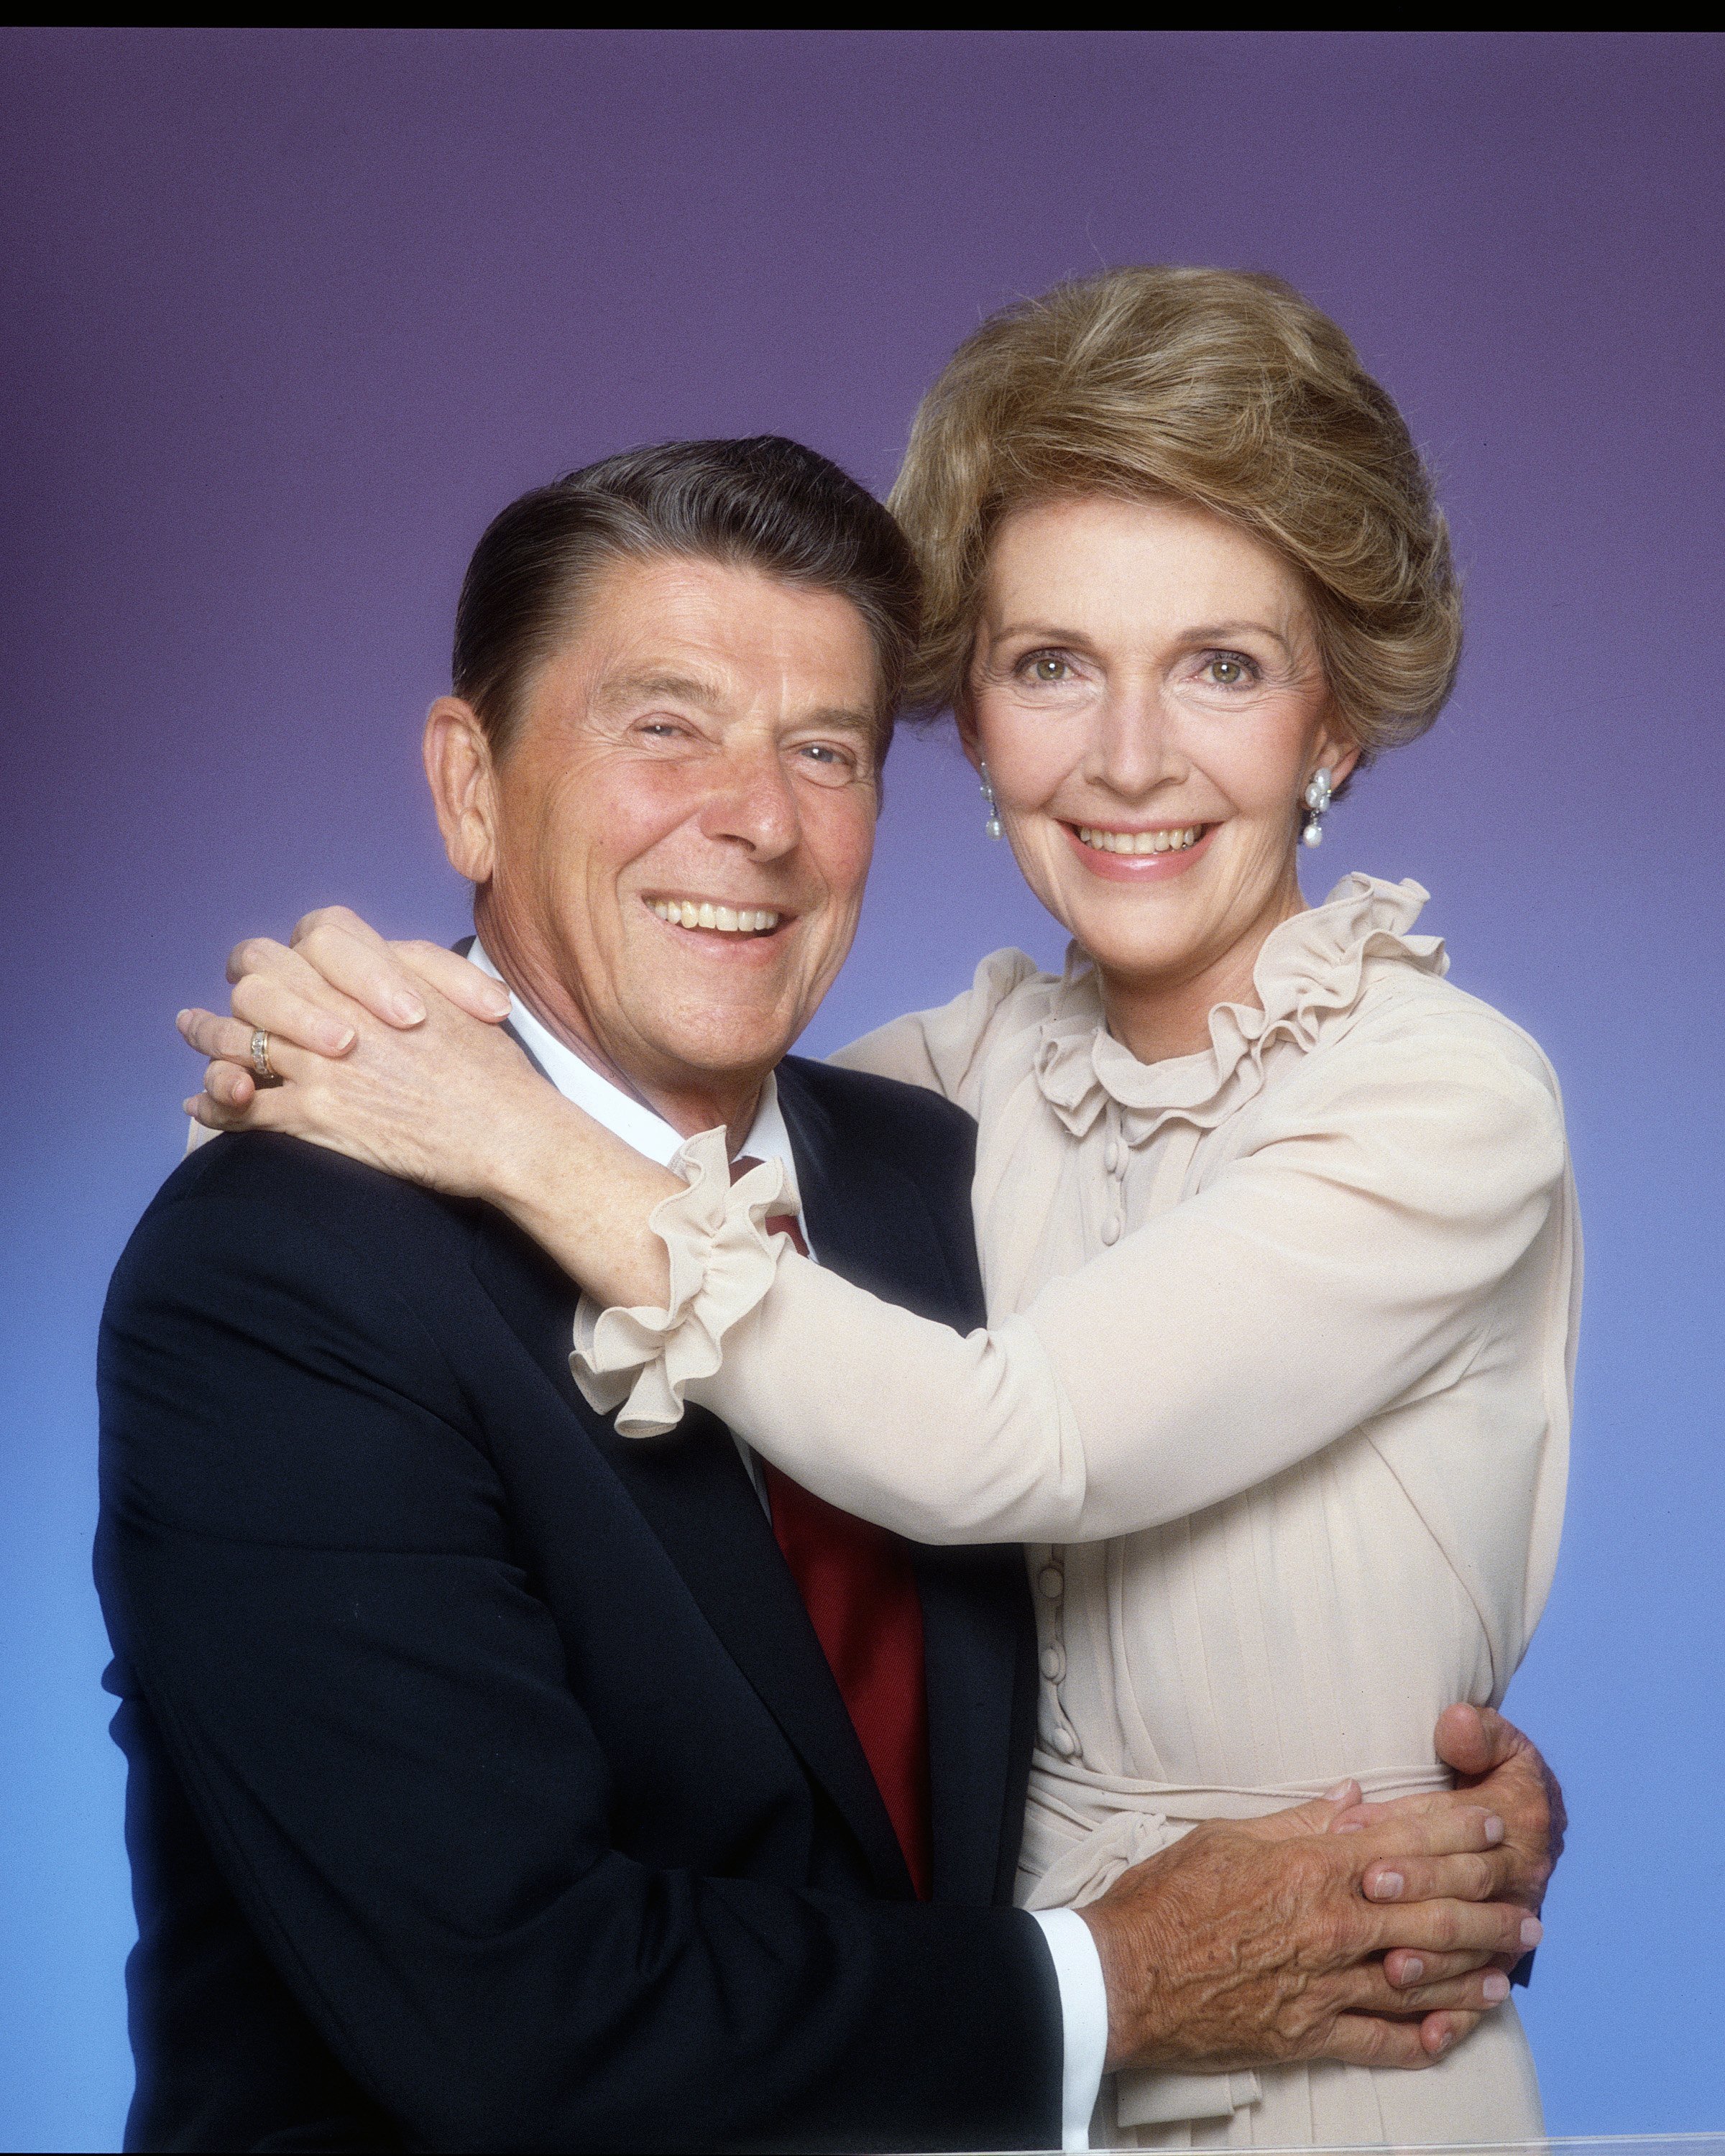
1427	1021
1428	1092
1352	984
950	1048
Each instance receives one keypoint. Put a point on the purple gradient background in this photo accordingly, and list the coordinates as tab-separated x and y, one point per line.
288	314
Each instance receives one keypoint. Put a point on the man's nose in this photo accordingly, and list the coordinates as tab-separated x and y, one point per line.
1133	750
752	803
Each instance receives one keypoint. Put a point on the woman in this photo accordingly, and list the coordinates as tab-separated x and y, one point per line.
1277	1226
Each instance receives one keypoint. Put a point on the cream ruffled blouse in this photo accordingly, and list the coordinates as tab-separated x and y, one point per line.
1277	1382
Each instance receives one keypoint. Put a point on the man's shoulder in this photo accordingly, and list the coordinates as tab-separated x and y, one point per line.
865	1108
892	1166
256	1198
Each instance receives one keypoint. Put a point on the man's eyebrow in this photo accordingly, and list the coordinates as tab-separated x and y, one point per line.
844	718
677	688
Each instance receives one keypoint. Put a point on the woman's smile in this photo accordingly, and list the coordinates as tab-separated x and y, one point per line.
1148	854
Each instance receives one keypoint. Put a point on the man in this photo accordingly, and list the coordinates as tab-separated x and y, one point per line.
499	1783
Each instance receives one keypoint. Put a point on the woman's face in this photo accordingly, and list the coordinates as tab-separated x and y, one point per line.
1147	691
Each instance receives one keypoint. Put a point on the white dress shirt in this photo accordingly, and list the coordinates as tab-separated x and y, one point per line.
1078	1967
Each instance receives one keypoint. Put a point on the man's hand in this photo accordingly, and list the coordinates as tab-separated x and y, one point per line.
1266	1940
1497	1766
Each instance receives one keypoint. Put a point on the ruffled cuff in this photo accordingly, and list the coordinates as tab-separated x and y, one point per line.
723	1261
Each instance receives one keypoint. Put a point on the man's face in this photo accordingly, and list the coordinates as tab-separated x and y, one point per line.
703	751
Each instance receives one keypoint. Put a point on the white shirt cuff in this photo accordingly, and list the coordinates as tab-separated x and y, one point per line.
1084	2016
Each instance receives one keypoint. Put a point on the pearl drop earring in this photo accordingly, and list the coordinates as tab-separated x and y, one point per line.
1317	800
991	827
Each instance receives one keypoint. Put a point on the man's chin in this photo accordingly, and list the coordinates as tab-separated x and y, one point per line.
731	1050
729	1063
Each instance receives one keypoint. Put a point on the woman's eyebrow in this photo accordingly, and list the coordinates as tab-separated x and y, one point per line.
1219	631
1046	632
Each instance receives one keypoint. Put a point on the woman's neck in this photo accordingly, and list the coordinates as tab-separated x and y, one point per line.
1169	1015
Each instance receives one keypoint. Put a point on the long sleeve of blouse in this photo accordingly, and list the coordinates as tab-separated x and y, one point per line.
1368	1234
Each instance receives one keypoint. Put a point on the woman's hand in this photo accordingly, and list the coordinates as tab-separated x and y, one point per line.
448	1101
393	1054
309	992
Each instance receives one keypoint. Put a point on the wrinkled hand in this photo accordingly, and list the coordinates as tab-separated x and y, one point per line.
1497	1766
423	1093
1270	1939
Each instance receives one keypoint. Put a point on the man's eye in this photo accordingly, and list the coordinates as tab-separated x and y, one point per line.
826	761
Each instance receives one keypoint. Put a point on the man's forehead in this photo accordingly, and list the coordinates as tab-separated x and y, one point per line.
714	631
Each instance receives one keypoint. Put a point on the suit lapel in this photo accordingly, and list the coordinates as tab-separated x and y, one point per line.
868	1220
693	1490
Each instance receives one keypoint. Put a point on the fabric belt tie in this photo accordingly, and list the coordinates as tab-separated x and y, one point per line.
859	1588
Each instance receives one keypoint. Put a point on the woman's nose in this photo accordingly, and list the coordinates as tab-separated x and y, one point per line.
1133	752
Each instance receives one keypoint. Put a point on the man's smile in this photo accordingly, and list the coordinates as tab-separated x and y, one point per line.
716	914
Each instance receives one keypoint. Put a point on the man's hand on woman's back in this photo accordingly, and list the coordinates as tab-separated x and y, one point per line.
1373	1933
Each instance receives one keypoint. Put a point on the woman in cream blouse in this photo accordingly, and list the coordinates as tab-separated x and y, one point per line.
1277	1227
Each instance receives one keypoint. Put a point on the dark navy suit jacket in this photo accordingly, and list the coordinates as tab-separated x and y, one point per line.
488	1786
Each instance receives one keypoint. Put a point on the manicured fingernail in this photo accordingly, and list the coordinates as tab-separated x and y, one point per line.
1413	1969
1386	1885
1496	1988
180	1018
1533	1931
499	1001
408	1010
340	1042
1494	1829
1331	1796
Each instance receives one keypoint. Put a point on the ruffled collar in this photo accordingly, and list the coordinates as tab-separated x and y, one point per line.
1312	970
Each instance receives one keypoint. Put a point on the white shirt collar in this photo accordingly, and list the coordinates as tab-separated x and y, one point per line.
576	1080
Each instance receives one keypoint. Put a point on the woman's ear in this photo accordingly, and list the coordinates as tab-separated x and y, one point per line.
459	769
964	717
1335	751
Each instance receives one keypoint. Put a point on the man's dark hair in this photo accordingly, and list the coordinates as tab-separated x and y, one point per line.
765	503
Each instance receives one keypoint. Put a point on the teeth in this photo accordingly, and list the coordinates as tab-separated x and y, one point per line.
701	913
1140	842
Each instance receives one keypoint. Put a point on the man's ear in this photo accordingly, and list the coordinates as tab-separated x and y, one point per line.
462	776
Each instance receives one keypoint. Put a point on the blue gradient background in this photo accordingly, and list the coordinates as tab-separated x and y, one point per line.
287	315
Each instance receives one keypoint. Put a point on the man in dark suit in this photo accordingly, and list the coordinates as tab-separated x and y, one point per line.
494	1782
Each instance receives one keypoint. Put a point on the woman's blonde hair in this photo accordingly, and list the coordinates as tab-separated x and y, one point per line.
1219	388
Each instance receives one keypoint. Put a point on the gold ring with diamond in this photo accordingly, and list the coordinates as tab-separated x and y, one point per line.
260	1058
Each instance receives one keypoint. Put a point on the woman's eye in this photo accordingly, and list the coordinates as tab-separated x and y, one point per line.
1048	666
1228	671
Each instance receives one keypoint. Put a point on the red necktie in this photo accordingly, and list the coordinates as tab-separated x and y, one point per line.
860	1590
